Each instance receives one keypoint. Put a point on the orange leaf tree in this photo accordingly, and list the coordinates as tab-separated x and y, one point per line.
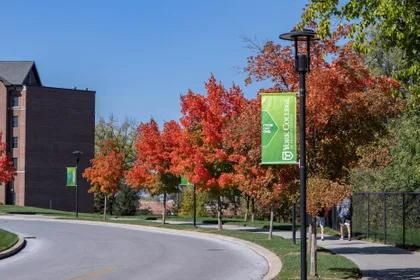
153	168
106	170
200	155
346	107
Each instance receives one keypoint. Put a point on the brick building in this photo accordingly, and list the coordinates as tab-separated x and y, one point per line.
42	126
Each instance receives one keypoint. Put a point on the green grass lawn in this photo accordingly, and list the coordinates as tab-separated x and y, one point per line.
330	266
7	239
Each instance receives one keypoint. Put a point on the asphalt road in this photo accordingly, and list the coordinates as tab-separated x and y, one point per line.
57	250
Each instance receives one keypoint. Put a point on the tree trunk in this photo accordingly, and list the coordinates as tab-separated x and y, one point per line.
247	209
111	204
252	209
219	213
105	200
313	247
270	232
194	206
164	209
235	205
294	223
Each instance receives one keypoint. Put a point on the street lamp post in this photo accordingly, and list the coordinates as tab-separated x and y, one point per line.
77	155
302	66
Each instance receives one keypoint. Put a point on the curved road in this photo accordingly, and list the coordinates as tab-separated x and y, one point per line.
60	250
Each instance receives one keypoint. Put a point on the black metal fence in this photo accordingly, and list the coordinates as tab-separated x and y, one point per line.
393	218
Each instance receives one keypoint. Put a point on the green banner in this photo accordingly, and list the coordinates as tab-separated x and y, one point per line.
278	128
71	177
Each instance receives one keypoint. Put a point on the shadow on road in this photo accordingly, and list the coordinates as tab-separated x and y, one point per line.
374	250
393	274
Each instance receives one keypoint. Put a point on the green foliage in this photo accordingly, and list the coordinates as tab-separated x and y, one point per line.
404	170
397	23
98	202
392	163
168	183
123	135
123	203
126	202
186	208
384	61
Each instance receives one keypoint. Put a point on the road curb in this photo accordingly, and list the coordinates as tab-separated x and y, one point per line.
273	261
20	244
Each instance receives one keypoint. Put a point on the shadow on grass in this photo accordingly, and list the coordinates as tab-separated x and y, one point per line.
22	212
281	227
214	222
353	273
323	250
253	229
35	213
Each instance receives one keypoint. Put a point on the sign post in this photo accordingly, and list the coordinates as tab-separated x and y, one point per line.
72	182
185	182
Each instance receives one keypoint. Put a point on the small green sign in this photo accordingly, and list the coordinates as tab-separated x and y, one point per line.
278	128
71	177
184	181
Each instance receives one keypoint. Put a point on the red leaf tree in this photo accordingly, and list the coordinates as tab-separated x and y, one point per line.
200	155
7	170
153	168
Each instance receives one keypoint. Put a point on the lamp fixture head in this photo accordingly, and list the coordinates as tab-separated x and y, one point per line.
77	153
302	61
299	35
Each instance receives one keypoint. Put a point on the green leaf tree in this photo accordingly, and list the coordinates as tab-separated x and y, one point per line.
397	23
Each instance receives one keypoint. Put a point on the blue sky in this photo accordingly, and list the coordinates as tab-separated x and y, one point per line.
140	56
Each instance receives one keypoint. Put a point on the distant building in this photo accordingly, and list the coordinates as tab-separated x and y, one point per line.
42	126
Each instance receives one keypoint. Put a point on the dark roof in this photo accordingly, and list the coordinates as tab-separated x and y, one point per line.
16	72
4	81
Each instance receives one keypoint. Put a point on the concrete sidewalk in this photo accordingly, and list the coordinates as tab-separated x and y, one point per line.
375	260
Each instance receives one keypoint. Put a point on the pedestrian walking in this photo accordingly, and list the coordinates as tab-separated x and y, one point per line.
320	221
344	217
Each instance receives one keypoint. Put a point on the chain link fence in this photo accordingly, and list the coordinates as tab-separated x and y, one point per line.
393	218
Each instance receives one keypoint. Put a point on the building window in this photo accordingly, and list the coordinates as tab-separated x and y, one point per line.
15	163
15	100
14	142
14	121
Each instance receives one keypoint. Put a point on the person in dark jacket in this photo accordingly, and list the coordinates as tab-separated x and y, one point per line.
344	216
